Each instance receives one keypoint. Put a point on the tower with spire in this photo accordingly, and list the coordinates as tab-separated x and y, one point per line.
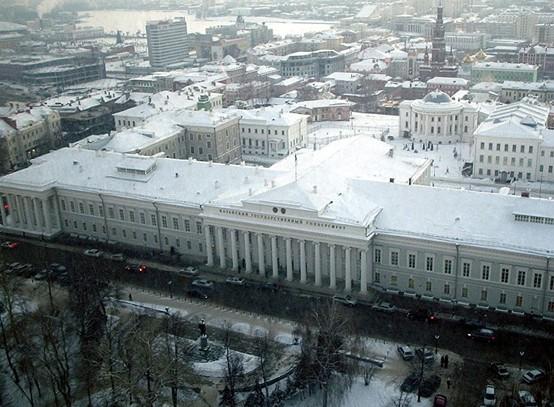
438	65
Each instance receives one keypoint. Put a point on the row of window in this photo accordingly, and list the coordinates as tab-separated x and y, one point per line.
534	219
505	161
447	268
275	132
507	147
133	234
496	173
130	215
503	297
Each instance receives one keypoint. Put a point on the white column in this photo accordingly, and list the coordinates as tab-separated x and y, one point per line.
303	261
370	265
57	219
220	248
288	246
209	249
20	211
363	271
317	265
13	211
261	259
332	267
38	213
46	214
4	213
347	271
247	255
274	265
28	214
234	253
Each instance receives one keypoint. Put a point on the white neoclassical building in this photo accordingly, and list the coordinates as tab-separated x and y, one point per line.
438	119
330	218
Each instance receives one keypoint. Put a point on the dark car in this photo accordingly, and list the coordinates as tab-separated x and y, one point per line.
426	355
136	268
499	370
429	386
197	294
440	400
422	314
483	335
410	383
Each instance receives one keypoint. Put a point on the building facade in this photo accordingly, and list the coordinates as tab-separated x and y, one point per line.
503	71
514	144
438	119
167	42
321	230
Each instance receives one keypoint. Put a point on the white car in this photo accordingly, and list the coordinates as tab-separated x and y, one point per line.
489	398
526	398
384	307
235	280
533	376
345	299
201	283
189	271
406	352
93	253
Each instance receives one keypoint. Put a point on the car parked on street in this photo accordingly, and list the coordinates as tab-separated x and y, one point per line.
195	293
429	386
499	370
405	352
423	315
234	280
119	257
489	397
189	271
410	383
483	335
384	307
533	376
201	283
136	268
92	253
10	245
426	354
57	268
347	300
526	399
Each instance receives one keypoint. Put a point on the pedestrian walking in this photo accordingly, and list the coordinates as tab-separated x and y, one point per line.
442	361
448	383
130	297
446	361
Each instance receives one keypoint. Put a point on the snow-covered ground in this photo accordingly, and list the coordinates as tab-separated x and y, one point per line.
216	368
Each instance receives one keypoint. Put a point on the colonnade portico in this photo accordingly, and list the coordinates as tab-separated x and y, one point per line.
37	215
307	261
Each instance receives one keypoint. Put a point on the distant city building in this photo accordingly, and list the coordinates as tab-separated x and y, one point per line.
514	143
345	82
447	85
463	41
25	133
514	91
167	42
438	119
325	110
503	71
316	64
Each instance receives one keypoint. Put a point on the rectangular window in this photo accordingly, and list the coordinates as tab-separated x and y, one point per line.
164	221
551	283
412	261
377	277
521	277
519	301
550	306
153	220
464	292
121	214
466	269
411	283
81	207
72	206
447	289
111	213
429	263
393	280
394	258
537	280
428	286
199	228
485	272
142	218
187	225
101	210
200	247
62	202
484	294
504	275
502	299
91	209
132	216
175	223
447	266
378	256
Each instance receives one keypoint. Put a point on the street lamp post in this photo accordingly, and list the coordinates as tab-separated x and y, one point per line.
421	374
521	354
169	284
437	337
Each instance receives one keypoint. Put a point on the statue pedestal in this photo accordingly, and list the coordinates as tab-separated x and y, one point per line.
204	342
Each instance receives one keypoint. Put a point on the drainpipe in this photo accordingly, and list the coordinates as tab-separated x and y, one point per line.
546	282
104	210
457	272
155	204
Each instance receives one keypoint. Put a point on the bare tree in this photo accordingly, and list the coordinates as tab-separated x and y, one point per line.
263	349
234	369
404	400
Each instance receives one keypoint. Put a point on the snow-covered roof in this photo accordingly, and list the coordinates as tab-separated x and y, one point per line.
440	80
503	66
268	116
344	76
